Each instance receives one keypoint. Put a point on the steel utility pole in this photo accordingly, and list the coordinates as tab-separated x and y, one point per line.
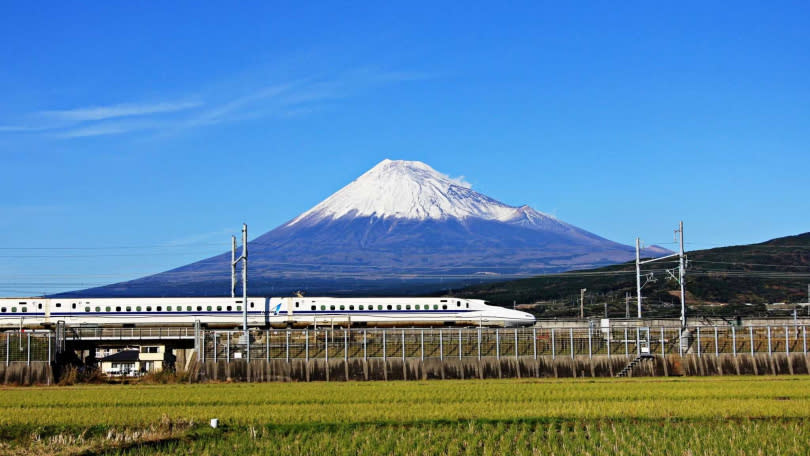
582	302
627	305
234	262
682	275
638	274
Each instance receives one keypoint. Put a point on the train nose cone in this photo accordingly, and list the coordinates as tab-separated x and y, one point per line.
518	318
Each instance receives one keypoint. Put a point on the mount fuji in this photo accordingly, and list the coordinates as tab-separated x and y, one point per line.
401	227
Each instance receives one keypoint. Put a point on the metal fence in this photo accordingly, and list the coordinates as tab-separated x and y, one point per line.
26	347
498	343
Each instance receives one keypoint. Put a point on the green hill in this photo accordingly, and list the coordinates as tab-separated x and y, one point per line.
736	280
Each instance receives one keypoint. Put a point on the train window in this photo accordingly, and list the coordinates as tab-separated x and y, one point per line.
399	307
129	309
408	307
468	305
159	308
313	307
3	309
252	305
219	308
73	306
435	307
416	306
108	308
342	307
87	309
188	308
351	307
229	308
208	308
118	308
323	307
39	306
390	307
148	308
138	309
13	309
332	307
361	307
238	307
444	306
199	308
58	304
25	309
296	305
458	303
169	308
379	307
98	309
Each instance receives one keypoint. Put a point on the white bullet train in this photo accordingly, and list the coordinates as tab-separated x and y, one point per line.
262	312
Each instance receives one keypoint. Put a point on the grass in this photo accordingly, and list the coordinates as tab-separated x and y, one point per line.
716	415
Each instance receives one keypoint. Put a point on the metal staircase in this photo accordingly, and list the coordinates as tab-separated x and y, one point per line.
629	367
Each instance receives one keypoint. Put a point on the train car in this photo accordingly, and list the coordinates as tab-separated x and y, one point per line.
262	312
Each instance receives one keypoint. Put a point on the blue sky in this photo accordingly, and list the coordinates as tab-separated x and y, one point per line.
135	138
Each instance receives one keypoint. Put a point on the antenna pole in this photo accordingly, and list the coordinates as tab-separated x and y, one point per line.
638	274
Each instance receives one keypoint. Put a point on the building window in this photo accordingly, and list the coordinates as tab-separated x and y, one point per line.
150	349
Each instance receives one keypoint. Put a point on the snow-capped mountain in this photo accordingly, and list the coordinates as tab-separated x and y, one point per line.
401	227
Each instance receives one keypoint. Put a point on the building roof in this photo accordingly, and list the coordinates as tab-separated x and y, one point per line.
126	355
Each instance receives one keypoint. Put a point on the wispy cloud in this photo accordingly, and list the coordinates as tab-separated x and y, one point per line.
229	102
119	110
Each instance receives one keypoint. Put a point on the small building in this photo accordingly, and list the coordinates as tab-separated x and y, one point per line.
124	363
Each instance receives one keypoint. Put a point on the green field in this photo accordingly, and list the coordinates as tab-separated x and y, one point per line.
718	415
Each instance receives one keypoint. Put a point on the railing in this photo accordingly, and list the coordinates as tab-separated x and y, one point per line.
26	347
101	333
498	343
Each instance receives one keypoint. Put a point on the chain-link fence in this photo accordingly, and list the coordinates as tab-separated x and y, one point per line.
459	343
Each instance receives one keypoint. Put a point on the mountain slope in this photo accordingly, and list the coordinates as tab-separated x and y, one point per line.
401	227
735	280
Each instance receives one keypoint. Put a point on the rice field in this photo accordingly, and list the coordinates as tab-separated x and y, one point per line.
714	415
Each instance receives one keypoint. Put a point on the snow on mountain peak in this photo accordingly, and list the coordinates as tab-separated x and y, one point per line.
413	190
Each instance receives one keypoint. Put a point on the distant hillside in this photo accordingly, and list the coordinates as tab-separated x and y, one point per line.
737	280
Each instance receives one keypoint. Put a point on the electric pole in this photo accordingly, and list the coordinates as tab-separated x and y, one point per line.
682	276
234	262
627	305
582	302
638	274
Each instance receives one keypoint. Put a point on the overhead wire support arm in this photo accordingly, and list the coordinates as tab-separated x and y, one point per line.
649	277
